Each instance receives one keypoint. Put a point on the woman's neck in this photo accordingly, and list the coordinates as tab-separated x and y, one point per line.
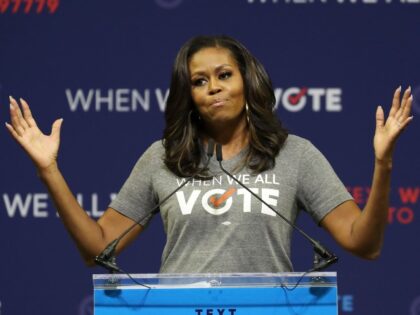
232	136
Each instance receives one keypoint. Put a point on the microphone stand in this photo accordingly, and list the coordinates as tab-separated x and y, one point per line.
107	257
328	258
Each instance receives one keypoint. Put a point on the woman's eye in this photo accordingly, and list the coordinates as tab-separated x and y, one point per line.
225	75
199	82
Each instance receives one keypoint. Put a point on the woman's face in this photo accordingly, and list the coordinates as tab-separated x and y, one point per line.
217	87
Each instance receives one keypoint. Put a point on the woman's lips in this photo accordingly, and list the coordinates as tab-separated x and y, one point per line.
218	103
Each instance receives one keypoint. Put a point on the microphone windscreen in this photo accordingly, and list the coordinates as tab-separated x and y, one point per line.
219	154
210	148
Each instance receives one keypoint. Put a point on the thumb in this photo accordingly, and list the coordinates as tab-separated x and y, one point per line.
56	128
380	117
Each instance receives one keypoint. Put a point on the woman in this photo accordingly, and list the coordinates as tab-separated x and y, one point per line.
220	91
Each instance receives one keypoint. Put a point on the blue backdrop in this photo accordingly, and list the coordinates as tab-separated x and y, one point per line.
104	66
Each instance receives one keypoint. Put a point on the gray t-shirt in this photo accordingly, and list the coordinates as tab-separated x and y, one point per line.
215	225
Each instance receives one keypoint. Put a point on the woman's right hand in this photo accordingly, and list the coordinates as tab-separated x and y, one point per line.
41	148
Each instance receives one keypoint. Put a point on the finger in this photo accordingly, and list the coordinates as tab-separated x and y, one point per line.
407	108
404	100
380	117
406	111
27	114
12	131
56	128
23	123
15	120
406	122
395	102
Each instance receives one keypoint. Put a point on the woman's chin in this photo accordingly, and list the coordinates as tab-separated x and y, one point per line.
225	118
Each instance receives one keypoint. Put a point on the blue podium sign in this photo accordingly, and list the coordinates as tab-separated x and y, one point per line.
216	294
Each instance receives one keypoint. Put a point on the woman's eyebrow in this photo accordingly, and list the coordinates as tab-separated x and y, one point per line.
199	72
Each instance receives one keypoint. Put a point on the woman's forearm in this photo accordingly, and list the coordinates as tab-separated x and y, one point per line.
368	229
86	232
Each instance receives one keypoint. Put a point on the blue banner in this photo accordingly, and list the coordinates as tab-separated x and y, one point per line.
104	67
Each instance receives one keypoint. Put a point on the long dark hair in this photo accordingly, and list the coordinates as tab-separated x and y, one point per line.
181	135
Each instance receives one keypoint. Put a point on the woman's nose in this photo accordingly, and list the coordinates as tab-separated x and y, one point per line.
214	87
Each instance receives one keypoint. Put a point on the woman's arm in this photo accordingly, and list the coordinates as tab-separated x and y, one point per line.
362	232
90	236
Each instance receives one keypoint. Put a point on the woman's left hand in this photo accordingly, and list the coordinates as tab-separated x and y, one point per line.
387	131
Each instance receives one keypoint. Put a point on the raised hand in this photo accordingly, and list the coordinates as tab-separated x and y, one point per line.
41	148
388	131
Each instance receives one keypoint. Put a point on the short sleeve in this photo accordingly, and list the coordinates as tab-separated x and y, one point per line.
137	198
319	188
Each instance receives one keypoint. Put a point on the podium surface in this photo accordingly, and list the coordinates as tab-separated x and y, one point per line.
216	294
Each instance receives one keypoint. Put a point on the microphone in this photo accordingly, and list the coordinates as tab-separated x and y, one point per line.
320	251
107	258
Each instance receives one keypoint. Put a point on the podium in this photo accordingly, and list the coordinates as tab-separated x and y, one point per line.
216	294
